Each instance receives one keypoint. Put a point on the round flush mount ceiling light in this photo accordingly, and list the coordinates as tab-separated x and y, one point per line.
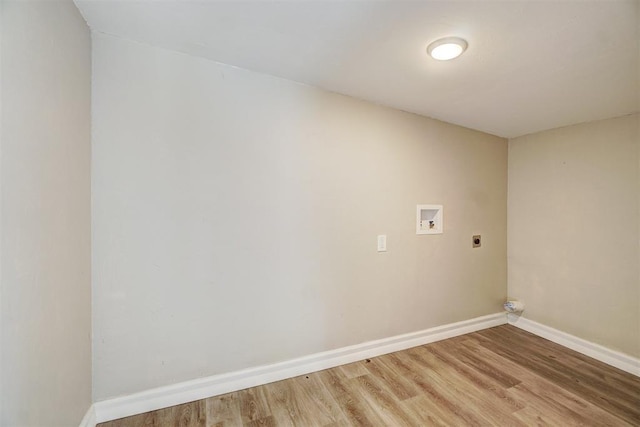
447	48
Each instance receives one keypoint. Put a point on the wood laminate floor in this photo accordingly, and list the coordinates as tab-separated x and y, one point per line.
501	376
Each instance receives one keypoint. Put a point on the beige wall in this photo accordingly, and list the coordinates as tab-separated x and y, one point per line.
45	370
573	230
235	219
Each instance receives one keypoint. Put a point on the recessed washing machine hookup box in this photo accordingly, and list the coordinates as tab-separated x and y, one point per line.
429	219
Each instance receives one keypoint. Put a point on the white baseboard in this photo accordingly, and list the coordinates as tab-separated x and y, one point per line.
611	357
89	419
201	388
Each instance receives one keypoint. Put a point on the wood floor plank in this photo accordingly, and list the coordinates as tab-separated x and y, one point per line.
262	422
381	401
356	411
597	392
191	414
353	370
534	417
287	406
253	405
500	376
318	401
223	411
542	386
459	384
592	371
401	388
480	382
440	391
425	411
560	407
433	407
585	365
467	353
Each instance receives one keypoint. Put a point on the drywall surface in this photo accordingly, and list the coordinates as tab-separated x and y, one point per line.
235	219
573	230
45	198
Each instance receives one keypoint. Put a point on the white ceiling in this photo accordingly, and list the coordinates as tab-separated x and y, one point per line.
530	65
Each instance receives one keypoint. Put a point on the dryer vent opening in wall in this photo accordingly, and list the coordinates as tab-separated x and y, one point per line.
429	219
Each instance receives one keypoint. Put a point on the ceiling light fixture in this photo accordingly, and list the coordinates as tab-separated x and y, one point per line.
447	48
